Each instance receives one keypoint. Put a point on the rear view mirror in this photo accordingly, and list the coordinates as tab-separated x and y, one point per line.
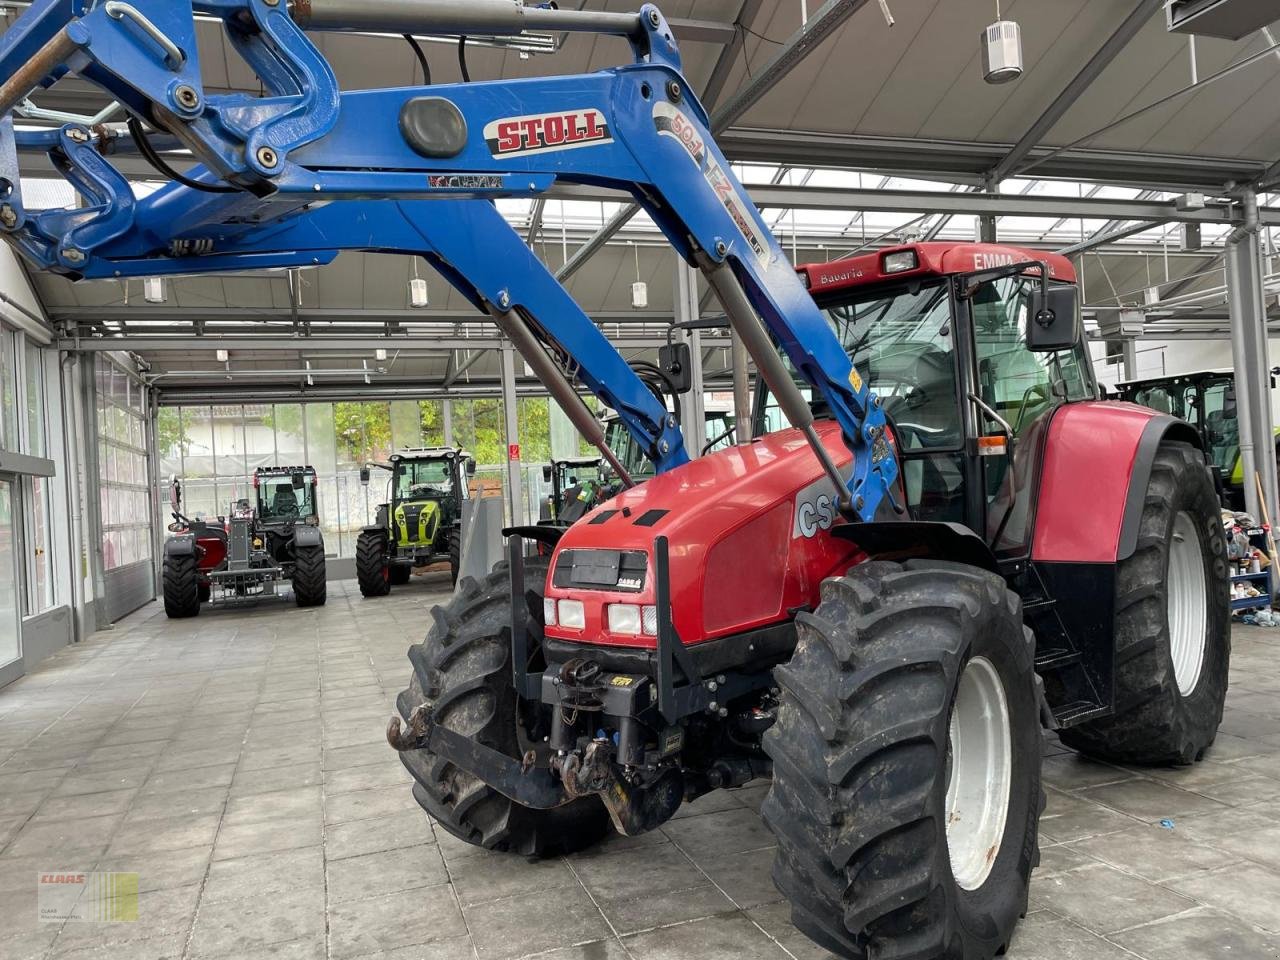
298	481
364	475
175	493
676	362
546	473
471	466
1229	402
1054	319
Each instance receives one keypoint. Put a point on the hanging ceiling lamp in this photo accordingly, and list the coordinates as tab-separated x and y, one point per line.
1001	50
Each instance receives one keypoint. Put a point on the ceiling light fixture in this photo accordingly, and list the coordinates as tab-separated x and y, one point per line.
1001	50
153	289
419	296
380	354
639	289
223	356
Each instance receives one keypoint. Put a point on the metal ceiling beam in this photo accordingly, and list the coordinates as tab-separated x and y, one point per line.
309	345
1099	238
990	204
702	31
598	240
712	92
968	162
1081	82
372	317
820	26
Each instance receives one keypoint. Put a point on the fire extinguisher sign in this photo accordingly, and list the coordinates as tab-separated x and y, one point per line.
513	451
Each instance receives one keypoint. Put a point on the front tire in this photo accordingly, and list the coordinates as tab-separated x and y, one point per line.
181	587
463	669
373	573
455	553
1172	626
309	586
892	841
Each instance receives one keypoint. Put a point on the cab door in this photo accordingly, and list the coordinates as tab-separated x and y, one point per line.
1018	390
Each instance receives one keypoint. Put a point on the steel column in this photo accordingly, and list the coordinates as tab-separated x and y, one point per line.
1250	355
692	404
446	416
511	420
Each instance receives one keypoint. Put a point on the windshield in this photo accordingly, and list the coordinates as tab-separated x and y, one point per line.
903	346
423	479
278	499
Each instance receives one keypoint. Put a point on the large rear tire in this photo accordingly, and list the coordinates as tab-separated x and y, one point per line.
1172	626
463	669
181	587
906	790
373	573
309	586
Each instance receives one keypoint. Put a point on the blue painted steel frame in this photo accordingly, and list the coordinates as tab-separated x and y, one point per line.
322	171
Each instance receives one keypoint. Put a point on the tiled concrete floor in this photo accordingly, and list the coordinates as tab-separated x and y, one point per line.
236	762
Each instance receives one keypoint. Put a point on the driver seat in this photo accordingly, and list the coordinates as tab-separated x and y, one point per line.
284	503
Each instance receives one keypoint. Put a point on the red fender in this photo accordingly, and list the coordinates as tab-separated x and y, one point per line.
1097	464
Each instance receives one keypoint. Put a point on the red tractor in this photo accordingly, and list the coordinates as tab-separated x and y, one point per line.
1053	561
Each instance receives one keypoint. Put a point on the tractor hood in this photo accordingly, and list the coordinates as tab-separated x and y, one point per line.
746	531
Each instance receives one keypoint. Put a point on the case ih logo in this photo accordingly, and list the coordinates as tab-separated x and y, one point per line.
545	132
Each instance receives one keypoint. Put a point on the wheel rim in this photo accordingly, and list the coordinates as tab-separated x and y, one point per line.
1188	609
979	773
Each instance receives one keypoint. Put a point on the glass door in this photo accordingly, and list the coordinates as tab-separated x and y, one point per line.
10	609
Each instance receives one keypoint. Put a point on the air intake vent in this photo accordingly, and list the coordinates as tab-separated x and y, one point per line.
1229	19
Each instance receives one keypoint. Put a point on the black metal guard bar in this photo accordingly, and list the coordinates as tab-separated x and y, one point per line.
528	686
673	703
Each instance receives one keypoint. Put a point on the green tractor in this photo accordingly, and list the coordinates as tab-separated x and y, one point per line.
421	522
577	486
1207	400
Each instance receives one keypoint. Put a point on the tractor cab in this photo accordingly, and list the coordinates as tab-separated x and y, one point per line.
1207	400
957	343
285	496
577	485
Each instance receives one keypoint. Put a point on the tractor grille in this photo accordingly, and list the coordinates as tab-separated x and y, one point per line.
419	521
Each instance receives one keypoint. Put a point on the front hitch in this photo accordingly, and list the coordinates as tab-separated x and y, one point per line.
527	785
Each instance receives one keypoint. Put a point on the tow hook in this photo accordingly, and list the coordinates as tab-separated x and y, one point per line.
587	774
414	736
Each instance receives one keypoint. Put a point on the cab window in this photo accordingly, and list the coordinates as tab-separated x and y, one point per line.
424	479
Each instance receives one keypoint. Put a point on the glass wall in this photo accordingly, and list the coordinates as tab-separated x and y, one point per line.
26	525
9	439
125	484
9	609
214	450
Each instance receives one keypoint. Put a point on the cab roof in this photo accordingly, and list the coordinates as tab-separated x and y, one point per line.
428	453
932	260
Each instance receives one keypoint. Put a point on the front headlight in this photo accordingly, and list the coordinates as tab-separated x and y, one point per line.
624	618
573	614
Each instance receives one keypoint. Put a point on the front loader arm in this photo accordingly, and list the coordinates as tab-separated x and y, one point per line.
314	167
